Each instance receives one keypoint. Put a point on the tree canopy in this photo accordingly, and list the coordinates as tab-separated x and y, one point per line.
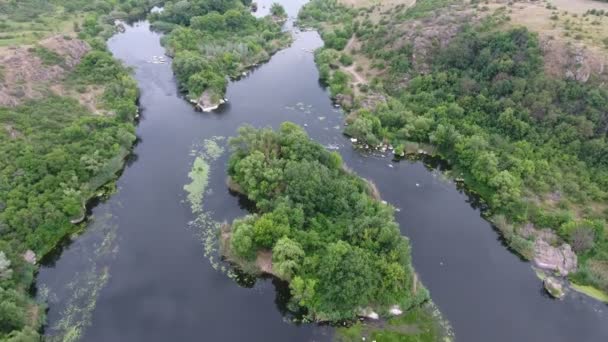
340	248
212	40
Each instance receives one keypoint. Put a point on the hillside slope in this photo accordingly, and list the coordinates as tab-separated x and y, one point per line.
512	94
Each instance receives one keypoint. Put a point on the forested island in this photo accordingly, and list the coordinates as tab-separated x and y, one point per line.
67	111
213	40
480	86
317	226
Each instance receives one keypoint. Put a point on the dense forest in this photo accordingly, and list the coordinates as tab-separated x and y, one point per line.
533	146
339	248
55	154
212	40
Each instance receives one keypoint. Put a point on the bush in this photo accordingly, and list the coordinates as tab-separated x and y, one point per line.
346	59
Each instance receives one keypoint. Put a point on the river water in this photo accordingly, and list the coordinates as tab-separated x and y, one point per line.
139	272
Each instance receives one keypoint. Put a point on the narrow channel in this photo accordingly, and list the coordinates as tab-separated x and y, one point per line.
139	272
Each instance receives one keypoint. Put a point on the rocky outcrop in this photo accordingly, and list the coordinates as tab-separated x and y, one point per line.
25	74
207	102
554	287
574	61
560	259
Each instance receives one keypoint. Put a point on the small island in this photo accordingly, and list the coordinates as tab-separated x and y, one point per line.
317	226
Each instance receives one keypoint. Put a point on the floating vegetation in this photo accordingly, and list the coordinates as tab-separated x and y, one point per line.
78	298
203	224
196	189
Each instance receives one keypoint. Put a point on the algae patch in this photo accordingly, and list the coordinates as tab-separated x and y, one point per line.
200	179
199	174
591	292
76	300
203	224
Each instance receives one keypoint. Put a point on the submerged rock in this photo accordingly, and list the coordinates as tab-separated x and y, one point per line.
554	287
561	259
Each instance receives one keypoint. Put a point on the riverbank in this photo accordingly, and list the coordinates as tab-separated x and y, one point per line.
405	104
69	110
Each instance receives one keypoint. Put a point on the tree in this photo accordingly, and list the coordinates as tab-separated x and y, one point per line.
277	10
12	311
287	256
234	19
582	239
267	230
211	22
5	264
241	241
346	280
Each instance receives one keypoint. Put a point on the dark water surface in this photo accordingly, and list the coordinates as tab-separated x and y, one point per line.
144	267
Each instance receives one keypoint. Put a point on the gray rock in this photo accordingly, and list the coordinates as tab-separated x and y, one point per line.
560	259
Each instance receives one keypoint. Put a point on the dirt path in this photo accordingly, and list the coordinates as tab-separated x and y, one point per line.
357	78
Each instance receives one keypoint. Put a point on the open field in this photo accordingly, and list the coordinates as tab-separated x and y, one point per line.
579	6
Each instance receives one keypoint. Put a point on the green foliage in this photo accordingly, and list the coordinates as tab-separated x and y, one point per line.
346	59
518	137
424	8
241	241
55	155
278	10
48	57
215	39
287	256
340	248
12	316
416	325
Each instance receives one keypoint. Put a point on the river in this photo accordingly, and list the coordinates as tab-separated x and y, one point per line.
139	273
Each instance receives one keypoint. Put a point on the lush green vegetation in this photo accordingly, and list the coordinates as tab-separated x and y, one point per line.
277	10
55	154
214	39
340	249
28	21
534	147
416	325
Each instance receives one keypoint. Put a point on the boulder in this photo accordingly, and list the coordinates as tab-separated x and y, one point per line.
560	259
554	287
